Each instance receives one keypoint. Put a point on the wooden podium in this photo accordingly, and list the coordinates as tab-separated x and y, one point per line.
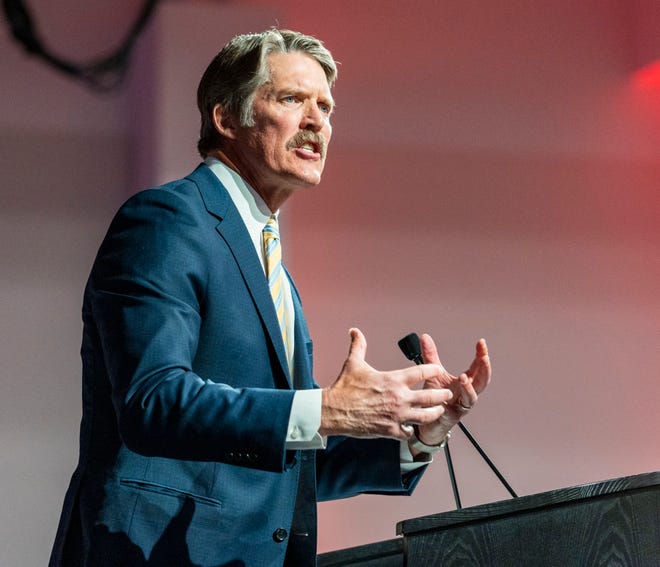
610	523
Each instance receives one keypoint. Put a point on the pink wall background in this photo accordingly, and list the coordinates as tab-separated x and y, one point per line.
494	172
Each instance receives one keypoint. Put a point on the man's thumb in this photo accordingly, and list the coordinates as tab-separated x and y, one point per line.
358	348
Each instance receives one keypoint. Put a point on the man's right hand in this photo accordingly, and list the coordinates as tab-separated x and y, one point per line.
365	402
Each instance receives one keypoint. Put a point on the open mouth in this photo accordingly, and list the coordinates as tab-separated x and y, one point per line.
310	147
308	144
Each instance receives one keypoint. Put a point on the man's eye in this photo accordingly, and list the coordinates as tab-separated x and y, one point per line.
289	99
325	108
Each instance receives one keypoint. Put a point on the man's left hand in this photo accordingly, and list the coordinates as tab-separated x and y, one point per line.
466	389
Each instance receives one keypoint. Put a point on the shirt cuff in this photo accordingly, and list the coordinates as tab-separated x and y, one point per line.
407	461
305	420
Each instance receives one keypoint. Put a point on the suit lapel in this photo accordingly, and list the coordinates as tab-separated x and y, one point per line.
232	229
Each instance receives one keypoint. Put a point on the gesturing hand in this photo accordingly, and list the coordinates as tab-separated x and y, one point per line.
465	388
365	402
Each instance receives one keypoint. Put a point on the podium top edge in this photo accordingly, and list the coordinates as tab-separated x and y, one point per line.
530	502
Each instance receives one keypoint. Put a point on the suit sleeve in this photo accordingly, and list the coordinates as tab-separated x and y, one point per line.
145	300
348	467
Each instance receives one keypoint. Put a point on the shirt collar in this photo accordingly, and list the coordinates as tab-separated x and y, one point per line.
252	208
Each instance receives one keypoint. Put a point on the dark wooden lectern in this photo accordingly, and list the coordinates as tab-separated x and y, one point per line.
611	523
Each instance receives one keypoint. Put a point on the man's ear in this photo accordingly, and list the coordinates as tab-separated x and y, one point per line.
223	121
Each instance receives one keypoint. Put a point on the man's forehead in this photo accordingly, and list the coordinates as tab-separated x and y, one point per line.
294	65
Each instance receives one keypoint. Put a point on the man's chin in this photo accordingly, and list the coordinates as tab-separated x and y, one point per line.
309	179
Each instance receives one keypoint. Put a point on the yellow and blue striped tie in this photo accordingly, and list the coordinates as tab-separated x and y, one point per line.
275	275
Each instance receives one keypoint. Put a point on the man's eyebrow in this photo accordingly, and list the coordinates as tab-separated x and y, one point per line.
300	90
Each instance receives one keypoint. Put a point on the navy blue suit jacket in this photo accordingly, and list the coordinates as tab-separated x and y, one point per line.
187	395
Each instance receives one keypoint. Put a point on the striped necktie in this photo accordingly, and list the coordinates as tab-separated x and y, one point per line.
275	275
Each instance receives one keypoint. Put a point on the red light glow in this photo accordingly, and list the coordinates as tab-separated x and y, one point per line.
648	77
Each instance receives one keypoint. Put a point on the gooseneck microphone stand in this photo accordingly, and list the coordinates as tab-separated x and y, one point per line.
411	348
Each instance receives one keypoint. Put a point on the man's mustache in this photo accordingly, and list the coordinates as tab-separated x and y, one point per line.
306	136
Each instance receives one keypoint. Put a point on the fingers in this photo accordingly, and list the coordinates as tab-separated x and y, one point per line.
422	374
467	397
480	369
426	406
424	416
482	348
430	398
399	425
478	373
481	357
429	350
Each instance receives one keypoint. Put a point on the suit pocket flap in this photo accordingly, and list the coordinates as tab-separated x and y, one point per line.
167	491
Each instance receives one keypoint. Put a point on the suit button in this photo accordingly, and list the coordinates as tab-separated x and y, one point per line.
279	535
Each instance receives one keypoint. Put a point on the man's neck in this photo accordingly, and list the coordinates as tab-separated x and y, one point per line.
273	199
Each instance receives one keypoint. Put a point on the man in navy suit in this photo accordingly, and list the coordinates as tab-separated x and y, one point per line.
205	440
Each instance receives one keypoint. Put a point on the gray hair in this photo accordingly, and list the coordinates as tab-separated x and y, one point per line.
236	73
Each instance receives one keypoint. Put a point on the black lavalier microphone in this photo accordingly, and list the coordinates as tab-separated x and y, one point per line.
411	348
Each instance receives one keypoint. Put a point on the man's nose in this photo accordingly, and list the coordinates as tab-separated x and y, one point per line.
313	119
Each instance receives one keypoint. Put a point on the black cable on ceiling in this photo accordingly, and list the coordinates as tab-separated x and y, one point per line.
104	74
